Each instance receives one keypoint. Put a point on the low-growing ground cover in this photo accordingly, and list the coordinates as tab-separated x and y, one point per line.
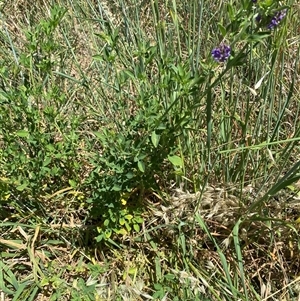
149	150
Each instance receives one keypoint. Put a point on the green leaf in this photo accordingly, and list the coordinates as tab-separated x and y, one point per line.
155	139
22	133
50	147
47	161
222	29
238	250
231	12
122	231
117	188
128	73
128	227
100	136
98	57
22	186
33	294
129	175
98	239
258	37
128	216
141	166
136	227
138	219
176	160
72	183
108	233
19	291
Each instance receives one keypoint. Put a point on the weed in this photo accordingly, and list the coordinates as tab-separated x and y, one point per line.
149	150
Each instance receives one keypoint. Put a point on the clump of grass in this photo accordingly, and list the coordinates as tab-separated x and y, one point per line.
149	151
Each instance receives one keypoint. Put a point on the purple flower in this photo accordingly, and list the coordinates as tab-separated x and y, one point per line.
277	19
221	53
258	18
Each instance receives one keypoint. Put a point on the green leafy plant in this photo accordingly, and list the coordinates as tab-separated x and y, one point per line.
37	148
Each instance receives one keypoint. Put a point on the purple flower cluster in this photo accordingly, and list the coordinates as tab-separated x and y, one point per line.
221	53
258	18
277	19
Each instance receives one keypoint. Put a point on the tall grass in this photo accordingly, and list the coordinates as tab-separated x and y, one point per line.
134	166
